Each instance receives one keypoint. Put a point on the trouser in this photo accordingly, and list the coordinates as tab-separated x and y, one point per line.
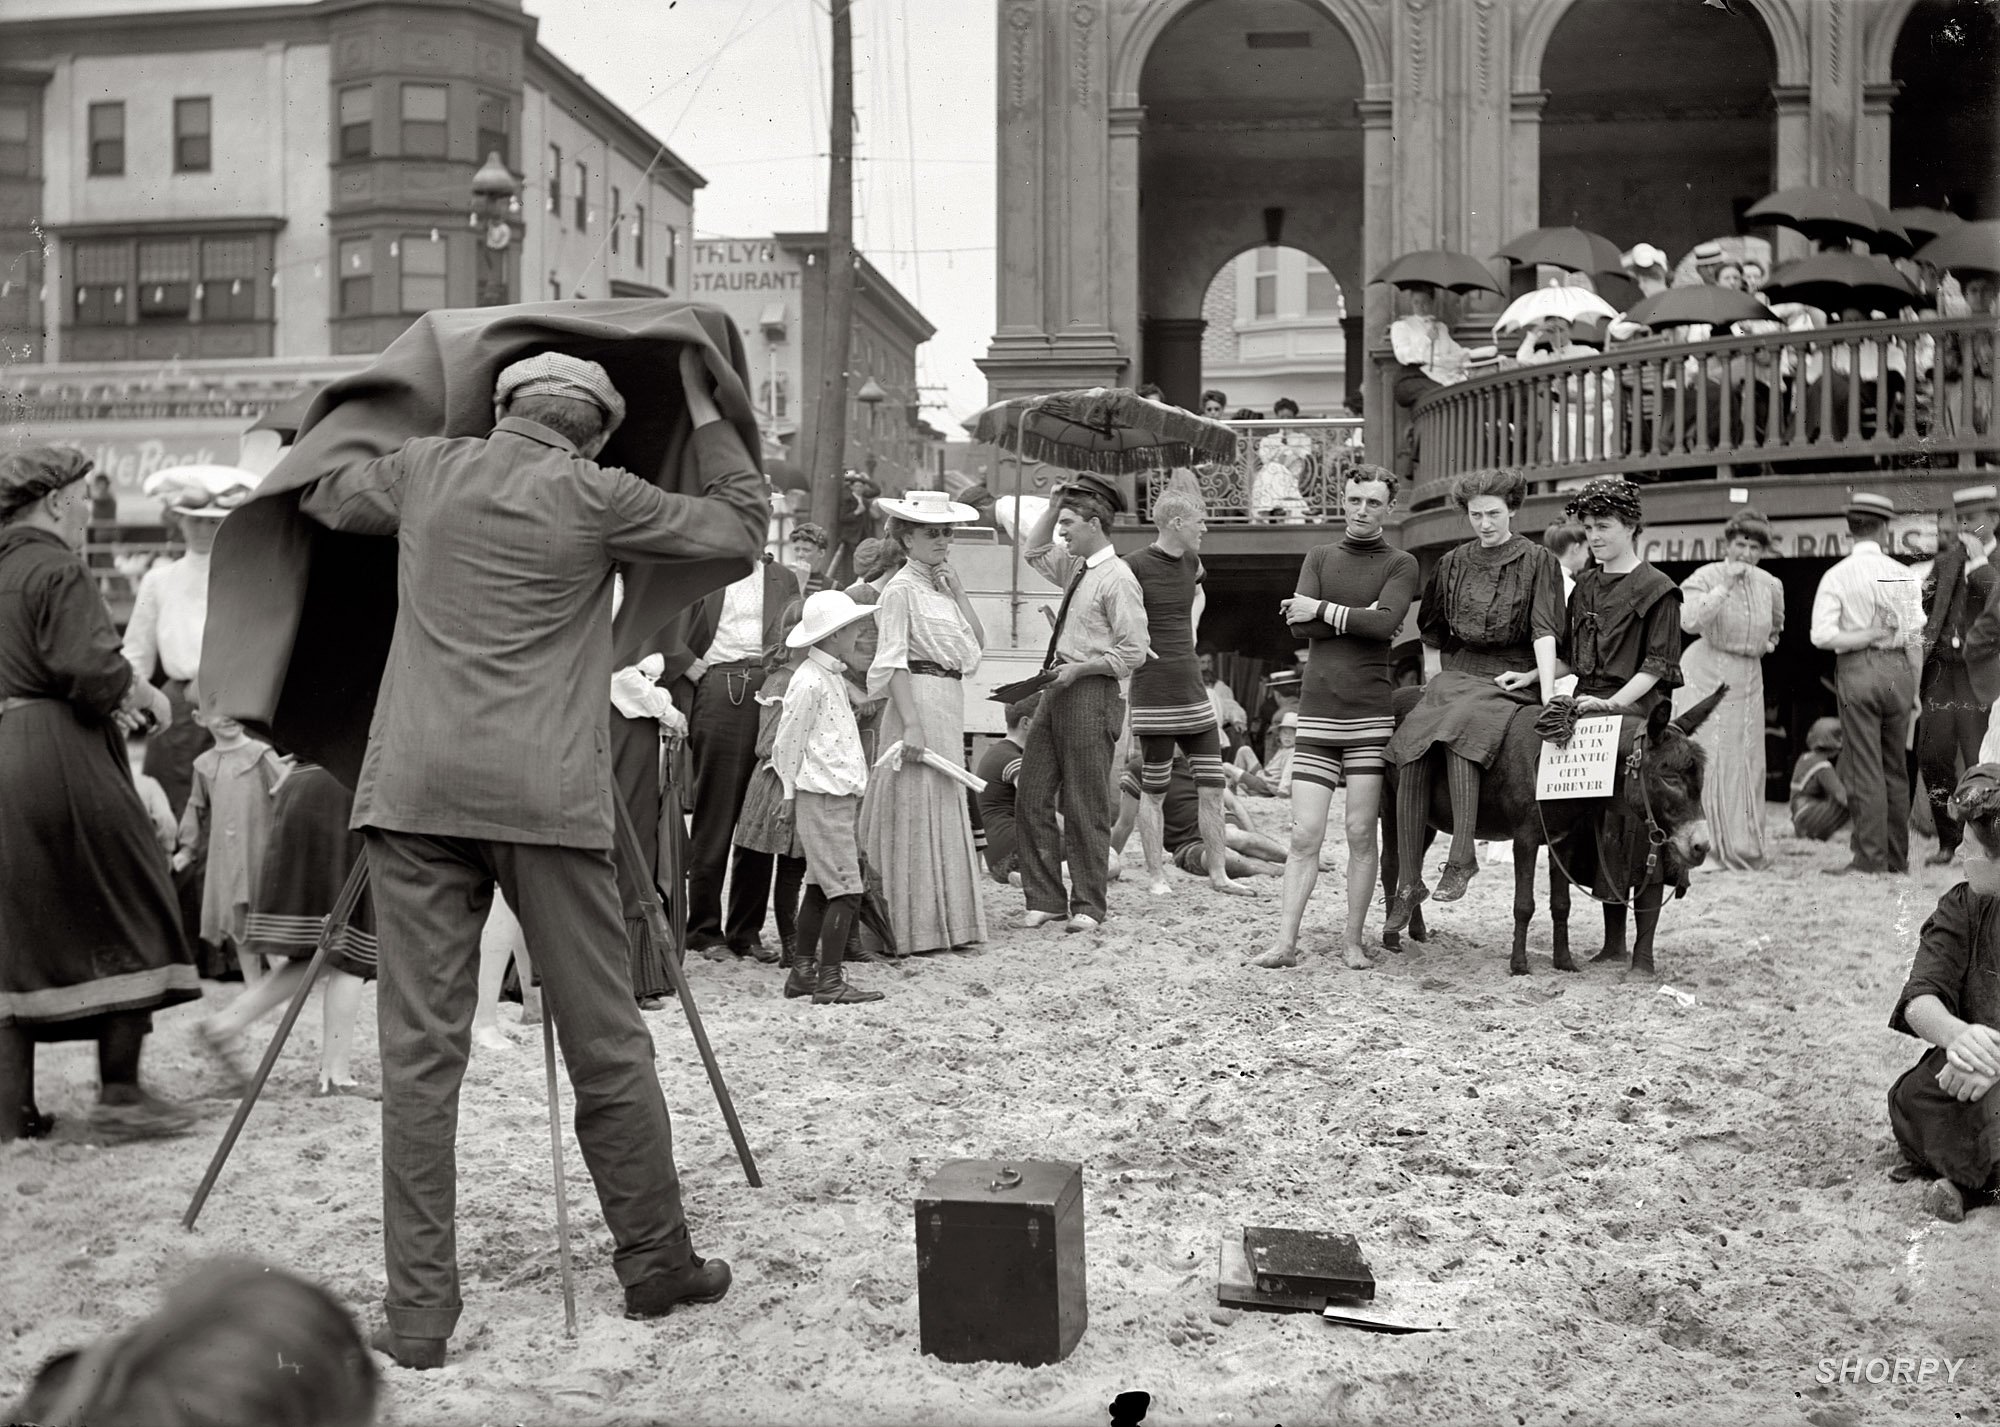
723	735
431	895
1876	690
1948	736
1069	758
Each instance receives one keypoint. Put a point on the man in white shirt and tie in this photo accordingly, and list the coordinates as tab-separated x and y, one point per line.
1869	612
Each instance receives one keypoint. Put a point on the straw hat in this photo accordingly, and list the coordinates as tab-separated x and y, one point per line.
927	508
1976	497
1868	503
826	613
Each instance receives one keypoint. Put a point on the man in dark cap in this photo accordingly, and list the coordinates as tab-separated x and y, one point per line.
1959	583
488	761
1100	638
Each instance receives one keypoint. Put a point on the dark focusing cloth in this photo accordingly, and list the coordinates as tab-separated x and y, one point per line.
88	921
1483	610
301	617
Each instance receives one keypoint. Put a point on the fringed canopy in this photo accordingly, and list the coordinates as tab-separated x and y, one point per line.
1109	430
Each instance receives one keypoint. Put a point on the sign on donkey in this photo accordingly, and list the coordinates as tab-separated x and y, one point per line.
1586	766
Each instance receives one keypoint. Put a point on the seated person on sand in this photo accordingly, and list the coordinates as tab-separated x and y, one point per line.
1819	798
1273	779
1250	853
1944	1110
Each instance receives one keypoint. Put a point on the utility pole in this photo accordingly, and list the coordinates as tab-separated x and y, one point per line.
828	450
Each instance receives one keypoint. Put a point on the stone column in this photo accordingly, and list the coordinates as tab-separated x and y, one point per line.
1123	227
1173	358
1878	104
1836	35
1482	183
1054	261
1379	233
1791	157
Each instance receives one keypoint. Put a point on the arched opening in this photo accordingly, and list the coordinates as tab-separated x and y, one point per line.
1251	139
1660	122
1273	330
1941	137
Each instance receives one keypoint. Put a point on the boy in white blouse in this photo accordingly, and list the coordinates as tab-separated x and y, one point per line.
818	757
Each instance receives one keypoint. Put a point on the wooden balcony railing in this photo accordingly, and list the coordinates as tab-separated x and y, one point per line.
1876	393
1284	473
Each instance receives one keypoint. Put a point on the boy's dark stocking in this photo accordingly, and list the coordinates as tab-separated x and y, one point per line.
118	1045
785	888
833	988
812	916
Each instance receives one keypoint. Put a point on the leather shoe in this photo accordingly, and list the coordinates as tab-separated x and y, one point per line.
1452	881
756	951
1031	920
417	1354
1404	907
702	1281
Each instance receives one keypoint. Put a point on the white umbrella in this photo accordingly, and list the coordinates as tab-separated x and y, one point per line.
1572	304
206	488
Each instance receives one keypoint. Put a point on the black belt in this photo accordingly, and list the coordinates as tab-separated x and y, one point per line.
757	664
935	671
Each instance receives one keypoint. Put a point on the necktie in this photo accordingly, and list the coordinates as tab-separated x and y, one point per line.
1062	614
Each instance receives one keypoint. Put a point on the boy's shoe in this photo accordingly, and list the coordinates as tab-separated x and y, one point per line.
702	1281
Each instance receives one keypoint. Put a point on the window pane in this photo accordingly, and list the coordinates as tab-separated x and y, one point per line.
496	128
166	261
357	257
423	279
1267	260
191	116
229	279
1322	292
107	121
555	179
617	212
14	140
582	198
191	135
228	258
103	262
357	106
639	236
357	122
107	139
1267	295
425	102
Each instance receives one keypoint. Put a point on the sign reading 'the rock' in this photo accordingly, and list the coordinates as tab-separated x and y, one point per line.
1587	767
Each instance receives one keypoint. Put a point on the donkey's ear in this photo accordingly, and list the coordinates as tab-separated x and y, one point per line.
1695	717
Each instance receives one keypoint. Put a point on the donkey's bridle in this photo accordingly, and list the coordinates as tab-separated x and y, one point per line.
1656	836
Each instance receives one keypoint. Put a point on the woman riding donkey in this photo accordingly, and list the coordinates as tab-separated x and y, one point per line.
1494	609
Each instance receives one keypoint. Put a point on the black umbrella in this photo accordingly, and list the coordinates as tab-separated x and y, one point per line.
1924	224
1968	248
1110	430
787	476
1438	267
1576	249
1715	306
1835	282
1833	215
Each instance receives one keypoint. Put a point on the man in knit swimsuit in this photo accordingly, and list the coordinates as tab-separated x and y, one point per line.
1352	596
1170	706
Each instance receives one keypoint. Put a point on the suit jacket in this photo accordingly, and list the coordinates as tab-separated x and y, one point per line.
492	720
782	600
1953	598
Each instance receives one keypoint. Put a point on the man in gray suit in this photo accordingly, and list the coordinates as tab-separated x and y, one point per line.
488	761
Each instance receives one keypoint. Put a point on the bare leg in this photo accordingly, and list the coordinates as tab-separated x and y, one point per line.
260	997
338	1013
1215	843
1152	841
250	965
1255	846
1310	805
1364	808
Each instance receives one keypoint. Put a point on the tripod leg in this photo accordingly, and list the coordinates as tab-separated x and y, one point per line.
562	1185
656	920
343	912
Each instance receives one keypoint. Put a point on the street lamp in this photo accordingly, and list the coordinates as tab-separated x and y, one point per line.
498	194
871	396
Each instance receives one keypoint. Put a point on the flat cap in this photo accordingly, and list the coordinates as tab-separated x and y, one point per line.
28	475
559	374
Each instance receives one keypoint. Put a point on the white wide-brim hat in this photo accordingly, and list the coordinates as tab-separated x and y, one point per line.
207	492
826	613
927	508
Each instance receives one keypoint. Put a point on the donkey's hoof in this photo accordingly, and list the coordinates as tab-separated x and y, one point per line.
1608	954
1639	970
1517	966
1566	963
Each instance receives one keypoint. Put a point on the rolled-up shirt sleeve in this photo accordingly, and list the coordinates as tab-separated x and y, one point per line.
1124	606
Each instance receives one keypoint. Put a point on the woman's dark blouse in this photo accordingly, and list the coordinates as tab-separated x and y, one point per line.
1616	631
1484	609
56	637
1957	960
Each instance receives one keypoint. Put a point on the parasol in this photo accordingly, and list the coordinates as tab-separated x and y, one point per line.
1835	282
1924	224
1833	215
1438	267
1577	249
1110	430
1680	306
1571	304
1969	248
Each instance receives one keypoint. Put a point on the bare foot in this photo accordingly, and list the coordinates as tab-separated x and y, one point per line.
531	1007
1276	957
1160	887
1355	959
491	1038
1231	887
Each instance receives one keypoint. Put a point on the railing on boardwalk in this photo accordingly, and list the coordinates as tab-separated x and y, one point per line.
1283	473
1876	393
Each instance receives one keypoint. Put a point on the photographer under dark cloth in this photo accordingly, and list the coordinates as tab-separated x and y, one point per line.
488	761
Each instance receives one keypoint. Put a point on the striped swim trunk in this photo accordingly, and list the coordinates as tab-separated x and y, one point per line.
1204	755
1331	767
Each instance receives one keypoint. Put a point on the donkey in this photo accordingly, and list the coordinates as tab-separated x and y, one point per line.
1655	818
